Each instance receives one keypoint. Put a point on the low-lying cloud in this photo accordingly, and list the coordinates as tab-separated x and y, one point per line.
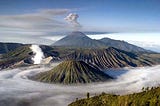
17	89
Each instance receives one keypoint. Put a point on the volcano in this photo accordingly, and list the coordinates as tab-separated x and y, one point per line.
70	72
79	39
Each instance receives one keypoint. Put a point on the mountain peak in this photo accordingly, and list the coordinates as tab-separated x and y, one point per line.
78	39
72	71
76	33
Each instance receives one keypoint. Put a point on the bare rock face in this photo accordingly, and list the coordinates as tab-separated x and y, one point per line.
47	60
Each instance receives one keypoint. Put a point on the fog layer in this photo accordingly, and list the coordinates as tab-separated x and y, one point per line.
16	89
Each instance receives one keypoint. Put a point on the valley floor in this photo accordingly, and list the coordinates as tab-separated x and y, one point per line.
17	90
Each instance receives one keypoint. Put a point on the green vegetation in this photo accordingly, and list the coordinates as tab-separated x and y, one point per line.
149	97
15	56
71	71
20	52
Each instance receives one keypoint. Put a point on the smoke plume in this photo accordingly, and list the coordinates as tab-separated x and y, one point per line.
38	54
72	18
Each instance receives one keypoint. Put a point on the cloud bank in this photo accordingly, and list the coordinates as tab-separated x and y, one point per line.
17	89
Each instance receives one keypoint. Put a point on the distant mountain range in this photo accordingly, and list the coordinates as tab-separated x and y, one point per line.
72	72
122	45
79	39
102	58
103	53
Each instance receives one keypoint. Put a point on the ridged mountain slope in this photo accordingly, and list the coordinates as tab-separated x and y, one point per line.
70	72
109	58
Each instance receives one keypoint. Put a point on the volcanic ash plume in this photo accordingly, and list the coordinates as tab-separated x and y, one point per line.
72	18
38	54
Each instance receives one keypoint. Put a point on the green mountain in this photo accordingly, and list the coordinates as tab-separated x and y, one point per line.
146	98
70	72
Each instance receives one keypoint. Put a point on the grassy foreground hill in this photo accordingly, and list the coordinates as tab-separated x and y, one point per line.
146	98
71	71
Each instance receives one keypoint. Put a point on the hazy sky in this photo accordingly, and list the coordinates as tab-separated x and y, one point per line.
41	16
29	21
